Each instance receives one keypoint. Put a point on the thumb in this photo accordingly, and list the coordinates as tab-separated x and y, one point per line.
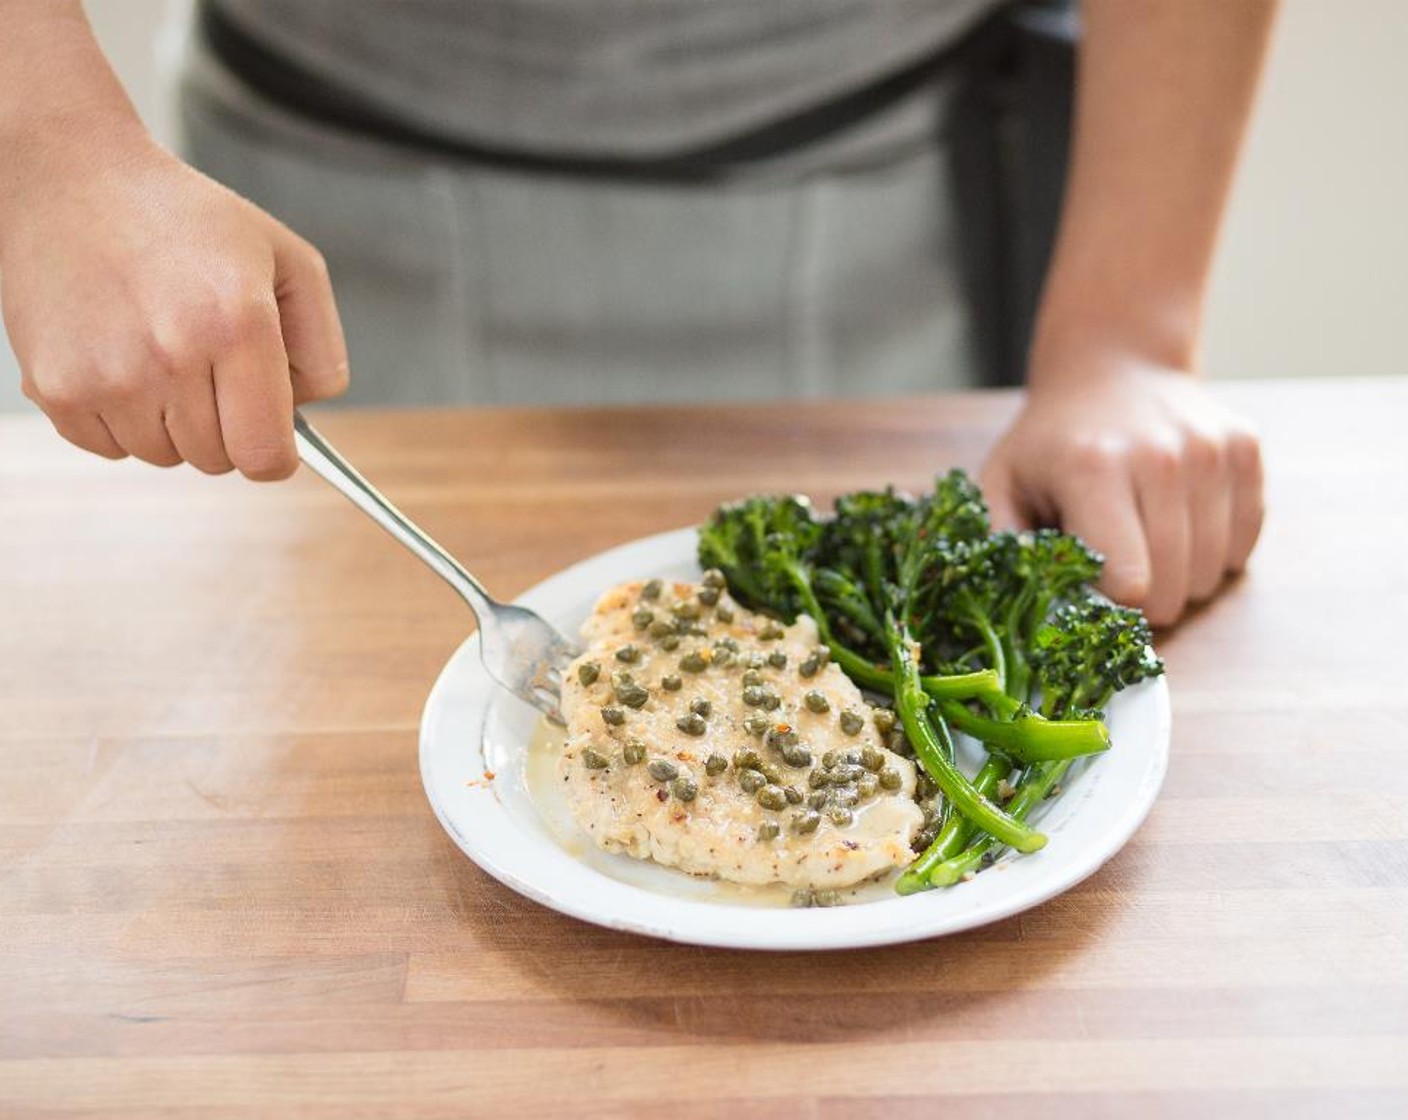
312	329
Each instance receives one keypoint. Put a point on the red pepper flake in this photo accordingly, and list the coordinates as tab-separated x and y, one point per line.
782	728
661	795
489	774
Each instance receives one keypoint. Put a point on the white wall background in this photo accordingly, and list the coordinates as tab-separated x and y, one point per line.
1312	279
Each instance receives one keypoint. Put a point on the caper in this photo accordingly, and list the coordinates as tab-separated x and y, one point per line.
751	781
830	759
641	617
713	578
588	672
898	743
802	899
851	758
826	898
816	701
724	658
771	773
852	722
632	695
768	830
709	596
846	774
594	760
810	667
701	707
772	797
685	789
777	659
692	724
818	799
755	724
771	702
727	643
872	760
818	779
770	632
613	717
652	589
687	609
746	759
890	779
724	613
754	695
797	757
670	642
793	795
671	683
884	720
925	787
663	770
629	654
634	751
845	796
781	737
751	677
715	765
756	661
694	662
659	628
805	821
868	787
840	817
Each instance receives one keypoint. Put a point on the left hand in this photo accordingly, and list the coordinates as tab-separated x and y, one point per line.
1147	467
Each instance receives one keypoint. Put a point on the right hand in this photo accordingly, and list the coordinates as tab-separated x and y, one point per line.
157	314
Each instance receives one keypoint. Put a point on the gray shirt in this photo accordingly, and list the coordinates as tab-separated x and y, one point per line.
625	78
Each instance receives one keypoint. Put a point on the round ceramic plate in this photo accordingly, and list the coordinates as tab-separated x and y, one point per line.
487	767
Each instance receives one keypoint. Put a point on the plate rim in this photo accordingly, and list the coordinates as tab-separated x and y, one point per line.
776	935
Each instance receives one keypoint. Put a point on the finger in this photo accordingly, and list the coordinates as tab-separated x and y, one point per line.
1098	504
312	328
87	430
141	432
193	423
1004	507
1163	507
1210	520
1248	500
254	399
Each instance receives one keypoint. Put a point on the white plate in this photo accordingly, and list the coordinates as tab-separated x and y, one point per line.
517	832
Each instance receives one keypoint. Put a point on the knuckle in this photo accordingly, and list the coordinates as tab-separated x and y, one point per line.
1204	453
1163	460
1095	455
1244	452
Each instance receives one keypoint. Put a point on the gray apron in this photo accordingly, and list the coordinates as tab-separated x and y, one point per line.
829	272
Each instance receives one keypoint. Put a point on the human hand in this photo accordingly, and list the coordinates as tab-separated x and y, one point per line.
1147	467
157	314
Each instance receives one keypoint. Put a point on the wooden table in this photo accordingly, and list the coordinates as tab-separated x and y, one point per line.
222	892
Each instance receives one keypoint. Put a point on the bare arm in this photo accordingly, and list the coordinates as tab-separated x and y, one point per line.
1117	442
154	312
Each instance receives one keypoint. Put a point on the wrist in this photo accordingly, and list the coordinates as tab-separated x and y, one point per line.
1078	340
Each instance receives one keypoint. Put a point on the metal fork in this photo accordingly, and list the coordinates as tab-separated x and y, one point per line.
521	650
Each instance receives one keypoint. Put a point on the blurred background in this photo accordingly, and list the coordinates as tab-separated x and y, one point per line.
1313	270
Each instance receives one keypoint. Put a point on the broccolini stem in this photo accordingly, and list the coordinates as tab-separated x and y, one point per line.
956	832
932	745
1030	793
1030	738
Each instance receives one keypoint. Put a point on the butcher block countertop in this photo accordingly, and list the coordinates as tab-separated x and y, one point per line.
223	894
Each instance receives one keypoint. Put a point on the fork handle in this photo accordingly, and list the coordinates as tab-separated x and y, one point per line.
323	458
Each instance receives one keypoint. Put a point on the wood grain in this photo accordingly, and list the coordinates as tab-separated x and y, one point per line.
223	895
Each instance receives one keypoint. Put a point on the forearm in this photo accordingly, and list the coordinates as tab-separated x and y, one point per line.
1164	94
58	98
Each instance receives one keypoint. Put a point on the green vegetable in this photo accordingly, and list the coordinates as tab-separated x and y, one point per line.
997	635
